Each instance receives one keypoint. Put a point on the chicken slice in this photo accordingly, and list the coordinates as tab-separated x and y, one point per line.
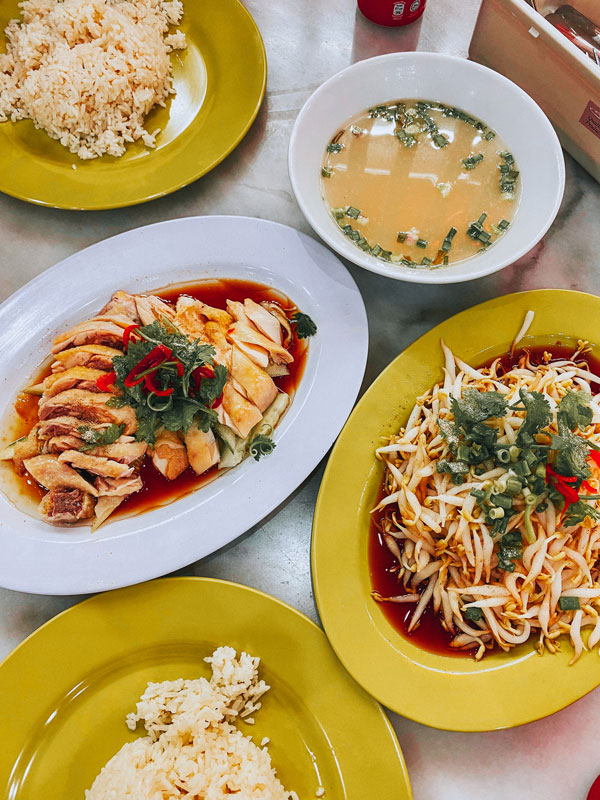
48	471
243	414
244	334
91	331
94	356
62	426
118	487
95	464
63	505
266	322
151	308
26	448
88	406
257	385
202	449
122	303
72	378
58	444
237	311
104	508
169	455
121	450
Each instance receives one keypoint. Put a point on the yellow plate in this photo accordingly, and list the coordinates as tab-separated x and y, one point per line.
67	689
449	692
220	82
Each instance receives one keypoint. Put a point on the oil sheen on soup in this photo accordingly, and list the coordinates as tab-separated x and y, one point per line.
420	184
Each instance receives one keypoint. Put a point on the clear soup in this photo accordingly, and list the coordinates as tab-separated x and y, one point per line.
420	183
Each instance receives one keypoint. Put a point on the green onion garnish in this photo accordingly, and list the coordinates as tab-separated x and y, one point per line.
326	172
440	139
356	130
472	161
353	213
338	213
489	136
347	229
334	147
445	261
569	603
426	262
363	244
503	224
422	243
376	250
401	236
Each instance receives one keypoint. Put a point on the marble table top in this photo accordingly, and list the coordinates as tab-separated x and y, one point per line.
306	43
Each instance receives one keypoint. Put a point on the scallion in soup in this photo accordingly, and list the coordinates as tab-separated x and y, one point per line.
420	183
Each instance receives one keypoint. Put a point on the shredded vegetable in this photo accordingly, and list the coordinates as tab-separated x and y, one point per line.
491	505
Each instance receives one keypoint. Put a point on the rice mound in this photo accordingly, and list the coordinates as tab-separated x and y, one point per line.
88	71
192	748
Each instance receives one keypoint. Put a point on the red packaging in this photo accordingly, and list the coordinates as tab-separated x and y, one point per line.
392	12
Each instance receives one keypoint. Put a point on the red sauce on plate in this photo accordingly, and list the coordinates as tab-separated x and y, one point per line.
429	634
157	489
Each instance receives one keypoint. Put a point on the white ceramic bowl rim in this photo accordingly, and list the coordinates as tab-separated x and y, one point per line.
486	94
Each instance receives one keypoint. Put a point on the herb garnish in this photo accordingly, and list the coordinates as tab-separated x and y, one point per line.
260	446
541	465
168	379
93	437
305	326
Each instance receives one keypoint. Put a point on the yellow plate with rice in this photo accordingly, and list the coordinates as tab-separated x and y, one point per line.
443	691
68	688
219	82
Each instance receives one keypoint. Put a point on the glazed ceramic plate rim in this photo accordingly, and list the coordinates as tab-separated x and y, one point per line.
240	18
458	82
40	559
447	692
168	595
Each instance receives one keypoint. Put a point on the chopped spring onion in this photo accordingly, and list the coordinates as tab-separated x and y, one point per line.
426	262
353	213
338	213
326	172
376	250
489	136
440	139
503	224
401	236
334	147
356	130
569	603
472	161
422	243
447	243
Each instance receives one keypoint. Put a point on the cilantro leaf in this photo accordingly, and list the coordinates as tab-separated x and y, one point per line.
475	406
180	415
538	415
473	613
572	453
96	438
305	326
577	513
574	410
260	446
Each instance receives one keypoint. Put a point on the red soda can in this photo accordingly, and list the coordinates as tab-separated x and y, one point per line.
392	12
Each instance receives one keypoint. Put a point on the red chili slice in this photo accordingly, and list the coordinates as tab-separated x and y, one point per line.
217	402
128	333
105	381
595	456
594	793
154	358
203	372
152	386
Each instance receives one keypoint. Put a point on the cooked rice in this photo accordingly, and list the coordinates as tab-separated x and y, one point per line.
192	747
88	71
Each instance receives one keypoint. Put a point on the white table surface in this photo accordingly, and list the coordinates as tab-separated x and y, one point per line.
307	41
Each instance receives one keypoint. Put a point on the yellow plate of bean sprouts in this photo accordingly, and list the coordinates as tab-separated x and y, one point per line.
479	475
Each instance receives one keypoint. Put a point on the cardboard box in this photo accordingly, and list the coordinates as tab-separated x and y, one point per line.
517	41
